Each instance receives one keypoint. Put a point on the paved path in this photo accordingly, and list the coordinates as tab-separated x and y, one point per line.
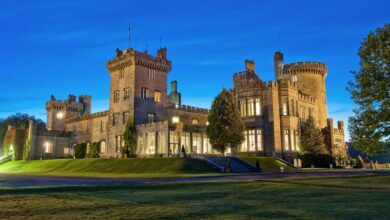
19	180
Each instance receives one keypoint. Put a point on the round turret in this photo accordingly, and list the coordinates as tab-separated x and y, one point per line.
310	79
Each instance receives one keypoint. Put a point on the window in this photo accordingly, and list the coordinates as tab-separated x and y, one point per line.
259	138
286	141
257	106
185	141
244	144
175	119
116	96
125	117
102	127
292	108
127	94
197	142
243	107
297	142
121	74
145	93
292	139
66	151
251	105
157	96
151	143
115	119
48	148
103	147
252	141
195	121
117	143
174	143
152	73
151	117
285	108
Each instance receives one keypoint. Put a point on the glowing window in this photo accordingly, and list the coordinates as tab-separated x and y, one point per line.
157	96
175	119
257	106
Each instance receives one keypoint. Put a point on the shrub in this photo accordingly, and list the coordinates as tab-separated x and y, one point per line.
93	150
359	162
80	150
320	160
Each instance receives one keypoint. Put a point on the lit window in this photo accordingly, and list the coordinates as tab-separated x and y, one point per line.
292	138
259	140
257	106
207	123
116	96
244	145
151	117
145	93
252	142
286	141
285	108
157	96
175	119
103	147
243	107
48	148
66	150
195	121
60	115
127	94
251	110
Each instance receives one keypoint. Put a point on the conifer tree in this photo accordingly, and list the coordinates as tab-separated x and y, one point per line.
225	124
130	139
312	141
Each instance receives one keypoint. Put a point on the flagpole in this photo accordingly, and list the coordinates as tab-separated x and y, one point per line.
129	36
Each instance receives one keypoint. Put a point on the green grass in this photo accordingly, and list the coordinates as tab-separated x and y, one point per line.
285	199
133	167
267	164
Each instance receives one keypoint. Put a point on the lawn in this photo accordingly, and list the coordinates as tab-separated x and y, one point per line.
267	164
222	200
133	167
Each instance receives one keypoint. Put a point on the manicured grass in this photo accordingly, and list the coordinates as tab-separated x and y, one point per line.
132	167
284	199
267	164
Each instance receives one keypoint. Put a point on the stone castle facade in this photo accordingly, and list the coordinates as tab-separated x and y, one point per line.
272	112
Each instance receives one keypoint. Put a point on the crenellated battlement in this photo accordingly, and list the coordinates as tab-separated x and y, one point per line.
305	67
87	116
287	84
152	124
189	108
130	56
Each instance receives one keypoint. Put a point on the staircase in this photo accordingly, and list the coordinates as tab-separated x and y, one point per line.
237	165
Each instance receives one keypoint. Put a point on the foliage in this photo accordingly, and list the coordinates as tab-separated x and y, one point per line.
370	90
19	121
26	150
225	124
318	160
93	150
312	141
80	150
130	138
359	162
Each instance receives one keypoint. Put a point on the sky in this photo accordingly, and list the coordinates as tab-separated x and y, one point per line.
61	47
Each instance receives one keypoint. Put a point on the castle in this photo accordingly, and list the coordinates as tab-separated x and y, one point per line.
272	112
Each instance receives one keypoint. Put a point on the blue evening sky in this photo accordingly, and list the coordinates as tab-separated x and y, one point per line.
61	47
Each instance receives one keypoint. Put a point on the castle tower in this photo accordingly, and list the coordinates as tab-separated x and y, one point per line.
278	65
138	88
310	79
59	110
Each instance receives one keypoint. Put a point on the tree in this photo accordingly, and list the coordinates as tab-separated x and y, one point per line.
19	121
370	126
312	141
225	124
130	139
